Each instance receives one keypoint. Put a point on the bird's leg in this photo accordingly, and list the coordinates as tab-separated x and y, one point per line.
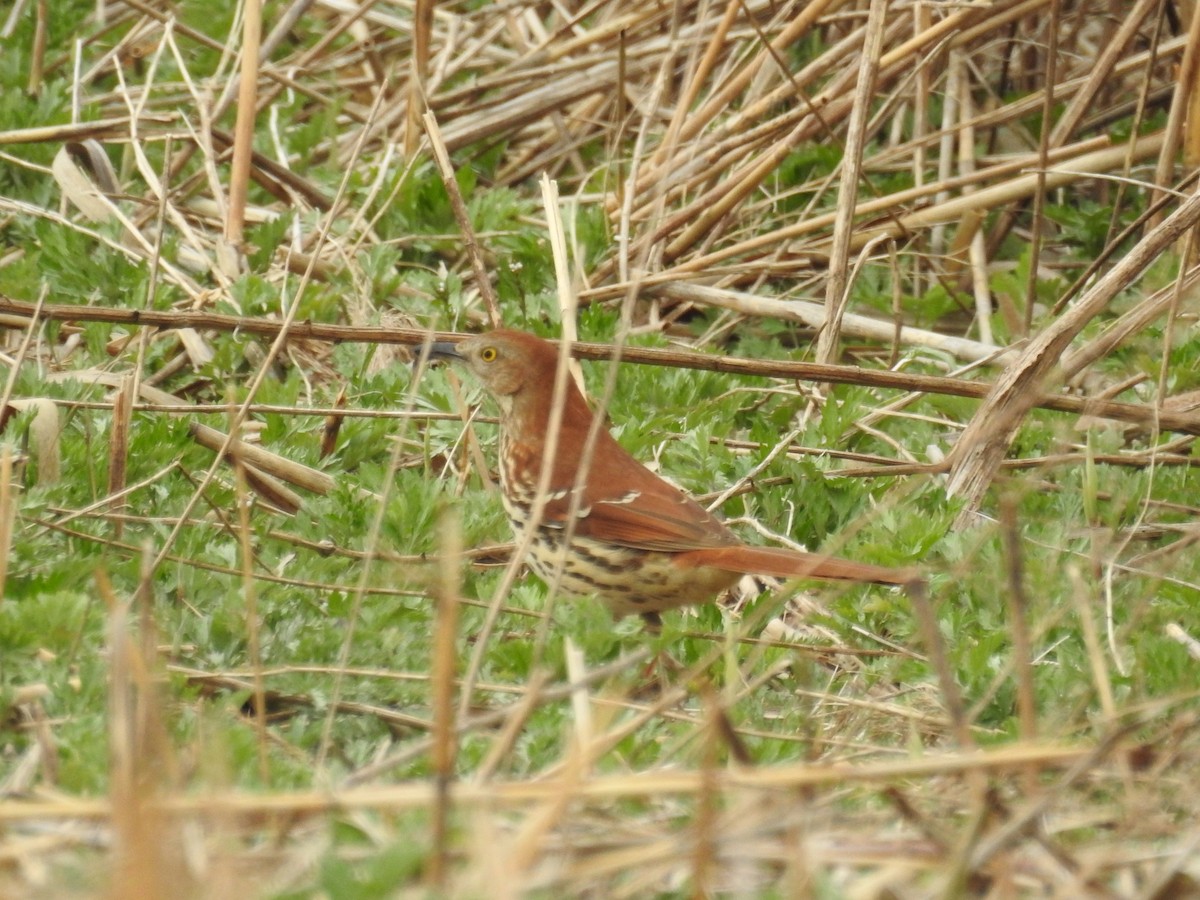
652	622
655	677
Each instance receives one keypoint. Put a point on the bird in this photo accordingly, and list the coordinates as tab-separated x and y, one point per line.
615	531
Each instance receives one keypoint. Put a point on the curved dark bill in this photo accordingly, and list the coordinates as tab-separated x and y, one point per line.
444	350
437	350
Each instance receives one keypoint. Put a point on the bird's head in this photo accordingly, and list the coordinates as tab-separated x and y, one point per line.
505	362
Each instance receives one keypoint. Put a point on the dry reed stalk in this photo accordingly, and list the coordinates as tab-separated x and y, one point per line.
35	311
442	669
417	103
704	827
1100	72
969	243
815	316
42	438
889	205
482	280
720	101
828	108
568	303
836	287
583	726
1016	189
147	860
658	783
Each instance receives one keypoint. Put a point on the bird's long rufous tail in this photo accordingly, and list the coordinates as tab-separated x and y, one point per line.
782	563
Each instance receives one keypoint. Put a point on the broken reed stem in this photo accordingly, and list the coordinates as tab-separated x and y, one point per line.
253	455
981	448
583	725
568	303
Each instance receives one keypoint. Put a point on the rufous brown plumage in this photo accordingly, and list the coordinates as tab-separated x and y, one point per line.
636	542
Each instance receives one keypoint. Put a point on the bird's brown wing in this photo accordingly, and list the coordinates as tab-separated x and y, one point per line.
624	503
653	520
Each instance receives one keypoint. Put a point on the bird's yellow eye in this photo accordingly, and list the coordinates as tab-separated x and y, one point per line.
487	354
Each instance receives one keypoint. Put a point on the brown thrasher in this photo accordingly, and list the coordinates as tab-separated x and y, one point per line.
637	543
